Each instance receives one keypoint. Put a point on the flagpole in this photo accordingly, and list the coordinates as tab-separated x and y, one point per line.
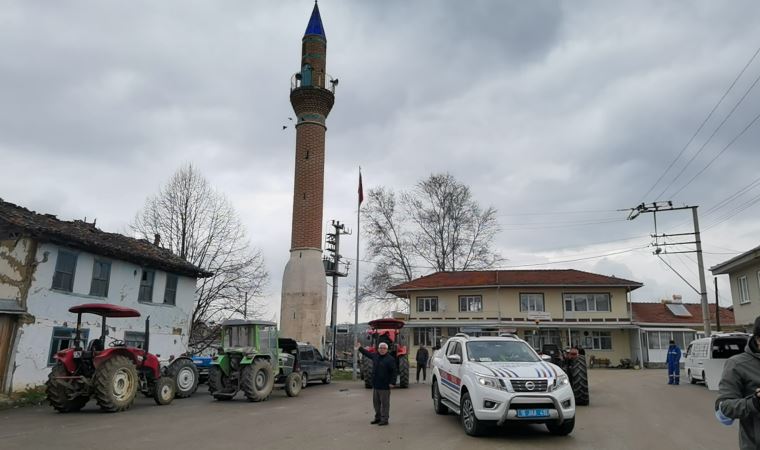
356	289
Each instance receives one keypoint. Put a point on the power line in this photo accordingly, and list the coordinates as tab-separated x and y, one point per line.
620	252
702	124
733	196
725	119
749	125
557	213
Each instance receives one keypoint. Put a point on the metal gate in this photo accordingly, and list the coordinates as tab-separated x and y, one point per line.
7	333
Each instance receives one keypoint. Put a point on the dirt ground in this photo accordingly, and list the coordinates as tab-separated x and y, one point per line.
629	410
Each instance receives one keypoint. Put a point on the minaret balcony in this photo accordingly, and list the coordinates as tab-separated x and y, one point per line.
313	80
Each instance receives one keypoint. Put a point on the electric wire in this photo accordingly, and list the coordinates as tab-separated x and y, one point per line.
730	87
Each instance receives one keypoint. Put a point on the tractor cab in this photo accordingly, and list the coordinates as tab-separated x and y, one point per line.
387	331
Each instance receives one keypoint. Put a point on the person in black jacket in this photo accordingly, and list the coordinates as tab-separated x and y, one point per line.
422	361
383	377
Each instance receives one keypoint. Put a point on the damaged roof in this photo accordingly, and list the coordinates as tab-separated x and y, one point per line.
85	236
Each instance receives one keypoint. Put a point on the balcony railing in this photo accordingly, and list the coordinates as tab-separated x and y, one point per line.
319	80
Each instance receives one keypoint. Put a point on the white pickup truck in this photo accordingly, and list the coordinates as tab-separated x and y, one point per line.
492	380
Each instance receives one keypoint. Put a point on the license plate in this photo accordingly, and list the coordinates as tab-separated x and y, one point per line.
525	413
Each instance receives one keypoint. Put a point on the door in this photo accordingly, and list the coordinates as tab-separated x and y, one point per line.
450	375
7	333
320	365
306	357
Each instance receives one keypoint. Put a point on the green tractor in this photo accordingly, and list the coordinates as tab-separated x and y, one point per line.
250	361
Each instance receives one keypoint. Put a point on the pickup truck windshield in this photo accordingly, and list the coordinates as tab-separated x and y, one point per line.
500	351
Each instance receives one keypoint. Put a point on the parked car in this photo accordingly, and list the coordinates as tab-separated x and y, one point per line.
494	380
707	355
312	365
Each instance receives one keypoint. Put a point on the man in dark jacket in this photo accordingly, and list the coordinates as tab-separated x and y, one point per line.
739	396
383	377
422	361
674	363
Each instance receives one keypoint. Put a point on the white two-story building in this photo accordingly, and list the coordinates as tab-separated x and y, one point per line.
48	265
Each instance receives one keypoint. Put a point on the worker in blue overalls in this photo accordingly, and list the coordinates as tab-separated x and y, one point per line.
674	363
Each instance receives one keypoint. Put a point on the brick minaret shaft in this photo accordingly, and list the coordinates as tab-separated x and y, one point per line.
312	102
304	288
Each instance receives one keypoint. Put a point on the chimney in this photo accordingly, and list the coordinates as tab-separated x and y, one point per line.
156	239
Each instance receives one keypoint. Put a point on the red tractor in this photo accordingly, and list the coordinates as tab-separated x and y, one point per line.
573	362
388	331
112	373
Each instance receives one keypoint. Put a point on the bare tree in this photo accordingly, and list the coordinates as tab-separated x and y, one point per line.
199	224
437	226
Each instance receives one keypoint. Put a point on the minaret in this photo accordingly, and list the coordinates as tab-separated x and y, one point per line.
304	288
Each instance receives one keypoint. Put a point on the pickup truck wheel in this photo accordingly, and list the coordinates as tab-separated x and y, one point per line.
691	378
304	380
472	425
328	378
438	405
561	430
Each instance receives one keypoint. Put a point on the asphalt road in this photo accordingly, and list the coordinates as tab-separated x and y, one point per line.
629	410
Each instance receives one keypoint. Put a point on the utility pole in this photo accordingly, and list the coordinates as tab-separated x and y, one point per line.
656	207
333	269
717	305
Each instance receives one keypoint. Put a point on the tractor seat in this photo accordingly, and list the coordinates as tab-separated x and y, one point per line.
96	345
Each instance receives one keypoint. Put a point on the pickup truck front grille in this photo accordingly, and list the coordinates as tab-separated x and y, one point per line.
529	385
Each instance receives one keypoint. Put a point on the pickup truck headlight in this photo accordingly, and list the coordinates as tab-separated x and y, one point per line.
561	381
490	382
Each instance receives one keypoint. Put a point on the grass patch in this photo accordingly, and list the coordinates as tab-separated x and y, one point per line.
31	396
342	375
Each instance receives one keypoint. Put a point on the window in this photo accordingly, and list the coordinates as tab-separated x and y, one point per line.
538	339
237	336
426	336
134	339
267	339
743	290
63	338
592	340
454	348
427	304
306	355
532	302
660	340
170	294
471	303
146	286
63	279
318	356
101	273
588	302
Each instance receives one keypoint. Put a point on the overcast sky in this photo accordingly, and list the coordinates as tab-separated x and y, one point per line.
555	113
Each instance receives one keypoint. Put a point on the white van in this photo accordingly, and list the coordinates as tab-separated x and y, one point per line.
705	357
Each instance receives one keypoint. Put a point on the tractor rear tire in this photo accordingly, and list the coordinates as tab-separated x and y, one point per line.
217	382
185	374
164	390
59	392
257	380
561	430
115	384
579	379
367	372
293	384
403	371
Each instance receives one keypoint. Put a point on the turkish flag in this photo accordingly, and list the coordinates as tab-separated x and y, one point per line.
361	190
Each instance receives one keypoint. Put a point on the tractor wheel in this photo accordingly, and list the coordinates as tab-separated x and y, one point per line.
403	371
579	379
218	382
257	380
367	372
164	390
115	384
59	392
293	384
185	373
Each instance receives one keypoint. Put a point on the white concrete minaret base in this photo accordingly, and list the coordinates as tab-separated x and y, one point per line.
304	297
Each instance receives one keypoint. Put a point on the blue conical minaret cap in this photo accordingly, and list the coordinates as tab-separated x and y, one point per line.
315	23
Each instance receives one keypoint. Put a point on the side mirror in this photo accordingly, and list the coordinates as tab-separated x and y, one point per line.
454	359
546	357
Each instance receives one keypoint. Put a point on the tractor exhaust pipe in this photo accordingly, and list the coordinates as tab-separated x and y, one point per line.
146	346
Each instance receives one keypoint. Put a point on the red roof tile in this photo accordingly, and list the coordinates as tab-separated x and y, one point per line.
659	313
484	278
